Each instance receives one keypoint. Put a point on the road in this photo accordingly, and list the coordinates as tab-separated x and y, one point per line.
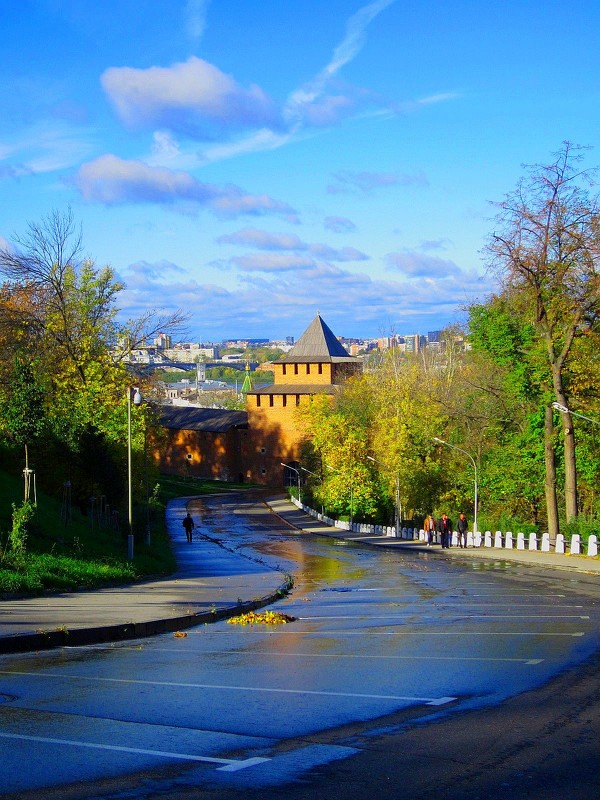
382	643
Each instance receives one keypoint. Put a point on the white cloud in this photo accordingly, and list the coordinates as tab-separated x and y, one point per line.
252	237
192	98
419	265
112	181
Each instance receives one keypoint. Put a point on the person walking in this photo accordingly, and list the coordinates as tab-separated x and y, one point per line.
444	527
429	528
188	524
462	528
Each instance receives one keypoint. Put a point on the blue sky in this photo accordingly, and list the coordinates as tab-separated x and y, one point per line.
254	162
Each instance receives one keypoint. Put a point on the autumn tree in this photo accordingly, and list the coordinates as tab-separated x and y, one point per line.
58	307
546	250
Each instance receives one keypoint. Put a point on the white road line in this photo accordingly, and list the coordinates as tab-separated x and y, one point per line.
367	617
342	656
430	701
229	765
370	632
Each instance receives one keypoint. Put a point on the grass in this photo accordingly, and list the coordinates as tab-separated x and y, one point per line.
82	554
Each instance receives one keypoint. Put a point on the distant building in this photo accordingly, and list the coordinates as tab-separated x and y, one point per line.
163	341
252	445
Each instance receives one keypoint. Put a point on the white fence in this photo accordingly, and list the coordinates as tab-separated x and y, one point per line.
497	540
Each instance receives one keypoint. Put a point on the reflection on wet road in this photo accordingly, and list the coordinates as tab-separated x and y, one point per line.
380	639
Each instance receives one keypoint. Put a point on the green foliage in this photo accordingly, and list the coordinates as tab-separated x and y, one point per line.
22	519
23	412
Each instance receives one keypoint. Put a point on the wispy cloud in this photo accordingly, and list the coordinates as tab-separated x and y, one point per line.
263	240
112	181
195	18
276	287
366	182
339	225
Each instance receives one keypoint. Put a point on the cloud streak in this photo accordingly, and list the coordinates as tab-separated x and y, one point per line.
113	181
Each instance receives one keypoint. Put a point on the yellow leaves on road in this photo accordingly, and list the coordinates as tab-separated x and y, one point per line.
266	618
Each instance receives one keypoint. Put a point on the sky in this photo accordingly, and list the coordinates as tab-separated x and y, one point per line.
256	162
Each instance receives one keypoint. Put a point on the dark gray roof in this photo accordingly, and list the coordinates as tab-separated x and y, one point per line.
214	420
317	343
298	388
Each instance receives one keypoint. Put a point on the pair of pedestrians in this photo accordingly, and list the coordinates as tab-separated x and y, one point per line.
444	527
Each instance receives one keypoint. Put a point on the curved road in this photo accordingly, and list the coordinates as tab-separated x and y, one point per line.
333	703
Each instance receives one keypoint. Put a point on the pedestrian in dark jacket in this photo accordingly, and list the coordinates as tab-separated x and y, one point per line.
462	528
444	527
188	524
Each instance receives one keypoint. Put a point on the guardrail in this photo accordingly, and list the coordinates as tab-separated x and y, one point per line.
498	540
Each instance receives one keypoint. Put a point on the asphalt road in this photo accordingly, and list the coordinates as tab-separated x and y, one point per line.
402	675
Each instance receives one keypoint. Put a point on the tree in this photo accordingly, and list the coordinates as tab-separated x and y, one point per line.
546	250
62	306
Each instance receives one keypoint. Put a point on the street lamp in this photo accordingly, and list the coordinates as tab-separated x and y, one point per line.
288	466
454	447
133	395
351	496
398	504
314	474
565	410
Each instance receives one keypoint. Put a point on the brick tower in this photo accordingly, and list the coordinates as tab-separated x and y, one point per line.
317	364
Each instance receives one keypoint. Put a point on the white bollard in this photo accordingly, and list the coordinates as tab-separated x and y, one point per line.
520	541
470	539
575	548
592	545
477	539
498	539
560	544
545	542
487	539
533	543
509	540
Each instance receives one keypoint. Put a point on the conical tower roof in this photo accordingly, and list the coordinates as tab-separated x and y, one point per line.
317	343
247	384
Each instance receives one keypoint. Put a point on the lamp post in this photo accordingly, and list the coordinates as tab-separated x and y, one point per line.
314	474
287	466
460	450
133	395
398	503
565	410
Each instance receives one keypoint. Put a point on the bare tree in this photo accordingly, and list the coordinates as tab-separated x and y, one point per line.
68	300
547	250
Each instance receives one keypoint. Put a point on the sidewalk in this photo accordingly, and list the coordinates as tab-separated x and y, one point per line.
295	517
211	583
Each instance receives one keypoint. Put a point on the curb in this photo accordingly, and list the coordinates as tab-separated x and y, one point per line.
79	637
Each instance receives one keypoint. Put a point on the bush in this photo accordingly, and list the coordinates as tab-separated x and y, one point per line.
22	518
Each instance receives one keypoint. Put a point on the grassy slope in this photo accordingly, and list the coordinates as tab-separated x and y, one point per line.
83	555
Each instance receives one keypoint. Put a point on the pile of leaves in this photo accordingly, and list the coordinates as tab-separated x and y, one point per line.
266	618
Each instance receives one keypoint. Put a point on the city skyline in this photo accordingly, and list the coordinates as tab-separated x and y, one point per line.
256	163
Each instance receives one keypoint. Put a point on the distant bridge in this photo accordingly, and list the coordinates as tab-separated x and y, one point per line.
186	366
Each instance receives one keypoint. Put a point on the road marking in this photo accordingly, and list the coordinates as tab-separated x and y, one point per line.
229	765
431	701
367	617
431	633
342	655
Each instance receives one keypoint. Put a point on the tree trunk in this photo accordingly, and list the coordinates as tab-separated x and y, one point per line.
550	484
